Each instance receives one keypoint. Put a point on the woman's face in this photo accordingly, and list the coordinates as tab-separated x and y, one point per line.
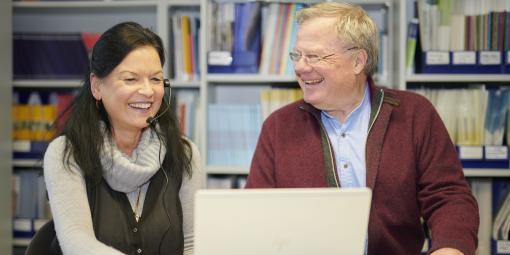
133	91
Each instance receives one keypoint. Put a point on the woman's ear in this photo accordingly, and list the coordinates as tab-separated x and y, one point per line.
94	87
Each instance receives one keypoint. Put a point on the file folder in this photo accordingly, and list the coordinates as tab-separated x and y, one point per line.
484	156
436	62
490	62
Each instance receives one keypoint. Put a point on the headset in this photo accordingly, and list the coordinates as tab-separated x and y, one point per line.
152	120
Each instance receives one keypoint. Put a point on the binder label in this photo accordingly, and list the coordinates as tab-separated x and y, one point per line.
490	57
496	152
22	224
21	146
464	58
220	58
508	57
471	152
503	246
38	223
437	58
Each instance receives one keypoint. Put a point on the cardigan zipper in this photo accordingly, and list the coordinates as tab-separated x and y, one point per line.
331	158
335	173
378	110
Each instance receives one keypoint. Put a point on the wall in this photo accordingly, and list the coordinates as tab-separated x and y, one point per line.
5	127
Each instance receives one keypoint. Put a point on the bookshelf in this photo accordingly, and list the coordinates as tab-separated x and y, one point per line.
480	178
215	87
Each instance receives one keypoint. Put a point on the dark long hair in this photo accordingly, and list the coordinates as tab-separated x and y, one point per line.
84	138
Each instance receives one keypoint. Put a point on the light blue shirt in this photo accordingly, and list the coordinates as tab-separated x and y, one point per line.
348	140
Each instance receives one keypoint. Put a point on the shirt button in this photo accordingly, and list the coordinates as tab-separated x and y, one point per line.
139	251
343	135
346	166
135	230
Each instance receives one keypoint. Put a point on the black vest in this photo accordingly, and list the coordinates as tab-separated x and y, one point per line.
158	231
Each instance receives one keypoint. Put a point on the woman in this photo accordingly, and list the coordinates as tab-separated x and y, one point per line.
120	178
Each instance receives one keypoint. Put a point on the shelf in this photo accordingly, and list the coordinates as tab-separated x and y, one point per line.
184	84
82	4
47	83
445	78
486	172
249	78
21	242
27	163
227	169
78	83
361	2
183	2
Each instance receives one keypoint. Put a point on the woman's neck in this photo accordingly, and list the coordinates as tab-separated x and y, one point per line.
127	141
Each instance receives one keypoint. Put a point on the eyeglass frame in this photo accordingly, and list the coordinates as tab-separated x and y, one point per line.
295	57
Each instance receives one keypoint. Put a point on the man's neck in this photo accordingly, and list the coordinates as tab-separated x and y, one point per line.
351	102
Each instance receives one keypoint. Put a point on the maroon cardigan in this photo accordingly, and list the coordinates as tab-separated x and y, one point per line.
411	163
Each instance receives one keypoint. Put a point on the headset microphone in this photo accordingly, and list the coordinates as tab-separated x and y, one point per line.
152	120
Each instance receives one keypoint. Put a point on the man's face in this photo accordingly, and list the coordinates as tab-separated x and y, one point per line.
332	78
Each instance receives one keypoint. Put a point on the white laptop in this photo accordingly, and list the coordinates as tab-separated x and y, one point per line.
281	221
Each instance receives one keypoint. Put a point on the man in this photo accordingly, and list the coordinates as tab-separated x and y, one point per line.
349	133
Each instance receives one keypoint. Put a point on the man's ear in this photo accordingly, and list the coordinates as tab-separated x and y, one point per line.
361	61
94	87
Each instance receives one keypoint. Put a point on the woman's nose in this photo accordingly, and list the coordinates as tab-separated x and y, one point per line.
146	88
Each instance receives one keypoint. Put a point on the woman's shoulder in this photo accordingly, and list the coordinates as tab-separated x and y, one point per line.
196	164
57	145
193	148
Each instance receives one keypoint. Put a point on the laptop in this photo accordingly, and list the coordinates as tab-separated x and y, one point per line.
281	221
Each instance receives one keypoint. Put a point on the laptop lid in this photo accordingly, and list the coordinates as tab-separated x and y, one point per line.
281	221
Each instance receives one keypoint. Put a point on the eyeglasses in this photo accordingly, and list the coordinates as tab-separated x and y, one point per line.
312	58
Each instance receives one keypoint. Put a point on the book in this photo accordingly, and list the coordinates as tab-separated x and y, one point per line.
412	34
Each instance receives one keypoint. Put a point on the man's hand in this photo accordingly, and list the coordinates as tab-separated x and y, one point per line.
447	251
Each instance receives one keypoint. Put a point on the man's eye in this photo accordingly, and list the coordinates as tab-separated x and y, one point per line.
129	79
312	56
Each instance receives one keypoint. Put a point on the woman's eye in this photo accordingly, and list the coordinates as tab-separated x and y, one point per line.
129	79
156	80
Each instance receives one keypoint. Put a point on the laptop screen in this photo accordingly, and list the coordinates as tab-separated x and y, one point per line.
281	221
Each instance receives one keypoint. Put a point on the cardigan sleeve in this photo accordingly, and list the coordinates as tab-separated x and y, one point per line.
445	199
263	162
69	204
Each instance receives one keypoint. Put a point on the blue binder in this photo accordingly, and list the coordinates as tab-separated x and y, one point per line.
486	62
485	158
247	41
506	62
500	190
464	62
49	56
490	62
436	62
